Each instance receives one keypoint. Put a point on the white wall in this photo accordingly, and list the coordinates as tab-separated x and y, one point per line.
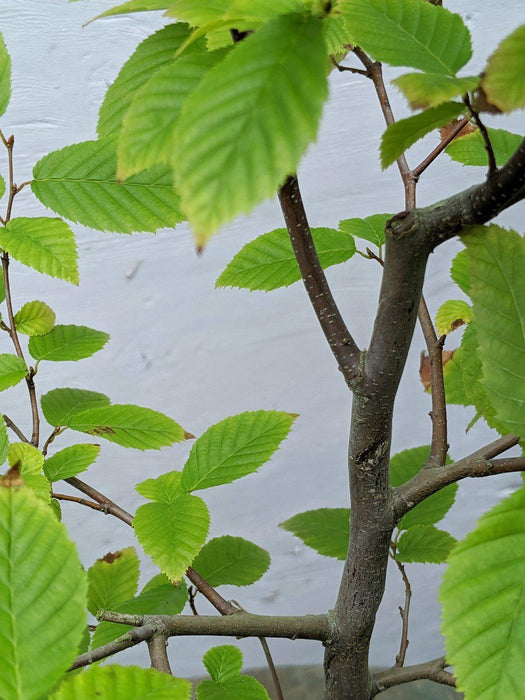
198	354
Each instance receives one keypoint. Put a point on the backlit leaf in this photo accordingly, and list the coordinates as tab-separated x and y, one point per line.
470	149
35	318
70	461
122	683
269	262
112	580
4	441
235	447
149	127
451	315
5	76
129	426
231	560
424	544
234	146
58	405
47	245
424	90
172	533
326	530
483	594
80	182
38	593
134	6
409	33
459	271
504	77
224	664
154	52
64	343
164	489
371	228
497	291
12	370
402	134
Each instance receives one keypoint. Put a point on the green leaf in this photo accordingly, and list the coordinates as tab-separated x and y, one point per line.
35	318
164	489
70	461
470	149
59	405
122	683
451	315
233	153
223	664
67	343
409	33
424	544
47	245
129	426
255	13
326	530
424	90
4	441
235	447
27	458
483	594
453	379
231	560
504	77
172	533
149	127
400	135
269	262
459	271
42	597
158	597
371	228
112	580
80	182
154	52
497	291
2	186
5	76
29	462
134	6
405	465
12	370
199	12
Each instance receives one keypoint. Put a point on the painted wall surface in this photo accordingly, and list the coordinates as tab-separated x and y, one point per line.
200	354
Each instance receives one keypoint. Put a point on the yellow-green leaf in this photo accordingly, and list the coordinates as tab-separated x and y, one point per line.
504	76
35	318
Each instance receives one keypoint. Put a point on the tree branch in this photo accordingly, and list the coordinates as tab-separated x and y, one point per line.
432	479
334	328
238	624
439	441
130	639
158	653
431	226
430	670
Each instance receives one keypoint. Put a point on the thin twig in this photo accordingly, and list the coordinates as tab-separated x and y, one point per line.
192	594
14	428
485	135
56	431
419	169
80	501
272	669
439	441
157	647
13	191
349	69
403	611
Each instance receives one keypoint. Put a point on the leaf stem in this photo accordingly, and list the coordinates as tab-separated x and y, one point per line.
485	135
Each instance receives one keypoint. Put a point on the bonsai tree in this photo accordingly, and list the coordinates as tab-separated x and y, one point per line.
210	116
